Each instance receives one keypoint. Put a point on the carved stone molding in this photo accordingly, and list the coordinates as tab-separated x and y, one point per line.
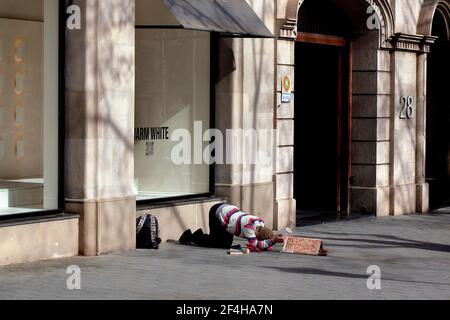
289	29
411	42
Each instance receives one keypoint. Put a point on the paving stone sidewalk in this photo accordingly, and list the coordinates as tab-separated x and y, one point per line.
412	251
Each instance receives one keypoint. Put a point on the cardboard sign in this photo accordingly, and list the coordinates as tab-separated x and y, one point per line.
297	245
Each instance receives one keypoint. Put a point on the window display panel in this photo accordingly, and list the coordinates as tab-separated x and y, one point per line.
28	106
172	94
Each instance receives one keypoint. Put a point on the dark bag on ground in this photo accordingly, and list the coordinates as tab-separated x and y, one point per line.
148	232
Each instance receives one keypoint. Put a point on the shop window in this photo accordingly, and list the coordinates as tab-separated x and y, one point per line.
29	106
173	94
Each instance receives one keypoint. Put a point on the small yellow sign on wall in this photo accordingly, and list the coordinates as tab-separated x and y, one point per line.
286	89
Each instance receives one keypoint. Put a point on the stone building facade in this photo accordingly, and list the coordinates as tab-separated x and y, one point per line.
350	134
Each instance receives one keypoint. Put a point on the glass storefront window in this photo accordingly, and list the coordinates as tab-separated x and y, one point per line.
172	93
28	106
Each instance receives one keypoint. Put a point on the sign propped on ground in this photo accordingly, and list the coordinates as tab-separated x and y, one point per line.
305	246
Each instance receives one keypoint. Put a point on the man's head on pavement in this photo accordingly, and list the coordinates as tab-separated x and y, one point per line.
263	234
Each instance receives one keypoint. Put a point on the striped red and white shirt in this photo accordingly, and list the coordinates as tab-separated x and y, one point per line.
243	225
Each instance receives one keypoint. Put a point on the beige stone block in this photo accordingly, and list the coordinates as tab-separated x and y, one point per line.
258	64
116	102
371	129
258	102
383	152
258	199
285	159
365	50
232	193
370	200
285	110
106	226
87	232
256	83
286	52
38	241
75	69
405	64
403	199
384	60
75	167
371	106
116	226
370	175
404	171
80	109
423	198
116	67
230	69
284	186
285	214
370	152
365	82
365	106
116	20
407	15
285	132
364	200
371	82
174	220
227	105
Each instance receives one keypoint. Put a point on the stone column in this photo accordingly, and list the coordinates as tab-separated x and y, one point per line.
423	189
245	100
370	120
407	126
285	204
99	155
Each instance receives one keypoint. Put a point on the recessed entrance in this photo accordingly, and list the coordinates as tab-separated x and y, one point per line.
322	112
438	116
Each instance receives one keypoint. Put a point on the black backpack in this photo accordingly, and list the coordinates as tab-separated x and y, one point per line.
148	232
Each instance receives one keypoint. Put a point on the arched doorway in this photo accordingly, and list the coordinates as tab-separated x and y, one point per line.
438	112
322	110
340	59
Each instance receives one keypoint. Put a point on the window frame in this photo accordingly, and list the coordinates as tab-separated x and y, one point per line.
62	16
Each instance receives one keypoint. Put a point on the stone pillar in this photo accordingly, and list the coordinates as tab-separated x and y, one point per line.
370	121
245	100
285	204
423	189
99	153
404	124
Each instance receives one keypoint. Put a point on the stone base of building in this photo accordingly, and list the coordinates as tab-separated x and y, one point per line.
370	200
423	198
403	199
106	225
285	214
38	239
256	199
177	218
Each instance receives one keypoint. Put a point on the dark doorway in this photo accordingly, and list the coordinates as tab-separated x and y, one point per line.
438	116
322	108
321	130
